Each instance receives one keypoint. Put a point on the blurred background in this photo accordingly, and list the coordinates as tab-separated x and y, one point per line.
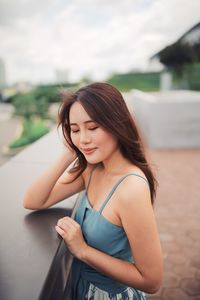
149	50
147	45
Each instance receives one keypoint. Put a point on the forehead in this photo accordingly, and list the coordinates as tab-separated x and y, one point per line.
78	114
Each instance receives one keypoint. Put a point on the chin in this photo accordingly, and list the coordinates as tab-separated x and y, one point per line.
93	160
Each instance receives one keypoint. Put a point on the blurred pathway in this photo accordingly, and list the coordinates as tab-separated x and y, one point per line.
177	210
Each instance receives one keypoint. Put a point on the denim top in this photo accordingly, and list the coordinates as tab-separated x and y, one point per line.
103	235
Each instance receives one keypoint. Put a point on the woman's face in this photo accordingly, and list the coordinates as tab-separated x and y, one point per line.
89	137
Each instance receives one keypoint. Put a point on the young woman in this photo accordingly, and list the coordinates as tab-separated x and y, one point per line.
113	239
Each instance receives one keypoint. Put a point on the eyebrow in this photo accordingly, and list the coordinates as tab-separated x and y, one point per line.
86	122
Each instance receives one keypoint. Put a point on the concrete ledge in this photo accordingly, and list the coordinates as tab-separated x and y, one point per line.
29	243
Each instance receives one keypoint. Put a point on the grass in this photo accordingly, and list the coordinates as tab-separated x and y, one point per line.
141	81
32	131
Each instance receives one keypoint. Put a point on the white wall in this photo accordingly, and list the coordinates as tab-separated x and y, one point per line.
168	119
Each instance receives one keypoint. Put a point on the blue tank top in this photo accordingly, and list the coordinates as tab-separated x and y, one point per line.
103	235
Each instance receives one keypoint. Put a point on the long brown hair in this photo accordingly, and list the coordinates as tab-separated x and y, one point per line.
106	106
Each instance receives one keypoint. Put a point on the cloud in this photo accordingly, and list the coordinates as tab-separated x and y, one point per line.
12	10
88	36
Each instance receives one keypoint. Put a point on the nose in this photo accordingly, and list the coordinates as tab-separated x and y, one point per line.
84	137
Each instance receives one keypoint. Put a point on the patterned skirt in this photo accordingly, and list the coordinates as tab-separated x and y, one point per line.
94	293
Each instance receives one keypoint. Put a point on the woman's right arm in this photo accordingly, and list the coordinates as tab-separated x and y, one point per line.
49	189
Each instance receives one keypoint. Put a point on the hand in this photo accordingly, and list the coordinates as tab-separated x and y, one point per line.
71	232
68	154
66	147
66	144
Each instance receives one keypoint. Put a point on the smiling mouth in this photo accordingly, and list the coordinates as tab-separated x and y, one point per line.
88	150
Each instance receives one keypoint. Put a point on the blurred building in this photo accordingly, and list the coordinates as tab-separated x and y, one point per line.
190	38
184	51
23	87
2	74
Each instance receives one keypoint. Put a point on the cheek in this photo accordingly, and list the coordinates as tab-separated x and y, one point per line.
107	140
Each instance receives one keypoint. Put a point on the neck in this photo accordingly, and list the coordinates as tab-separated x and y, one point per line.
116	164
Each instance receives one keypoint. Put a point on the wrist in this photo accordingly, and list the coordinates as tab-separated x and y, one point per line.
67	156
83	254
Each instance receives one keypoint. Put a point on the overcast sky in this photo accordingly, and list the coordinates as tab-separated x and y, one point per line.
87	37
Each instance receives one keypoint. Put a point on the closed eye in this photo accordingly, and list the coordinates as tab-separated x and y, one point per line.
93	128
90	128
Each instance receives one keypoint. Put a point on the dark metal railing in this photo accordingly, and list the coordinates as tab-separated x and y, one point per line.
34	261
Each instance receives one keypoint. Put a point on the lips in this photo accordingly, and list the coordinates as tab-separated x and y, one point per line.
88	150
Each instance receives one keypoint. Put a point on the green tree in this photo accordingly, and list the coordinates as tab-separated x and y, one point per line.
33	108
28	105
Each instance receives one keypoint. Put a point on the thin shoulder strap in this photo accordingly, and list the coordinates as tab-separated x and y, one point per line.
90	176
115	186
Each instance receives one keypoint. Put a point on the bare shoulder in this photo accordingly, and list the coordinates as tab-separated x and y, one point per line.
134	190
138	221
135	207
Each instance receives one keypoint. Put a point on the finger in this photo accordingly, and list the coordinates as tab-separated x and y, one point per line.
62	223
60	231
64	227
72	222
68	223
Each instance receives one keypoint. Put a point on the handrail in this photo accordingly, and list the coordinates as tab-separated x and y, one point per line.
30	248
